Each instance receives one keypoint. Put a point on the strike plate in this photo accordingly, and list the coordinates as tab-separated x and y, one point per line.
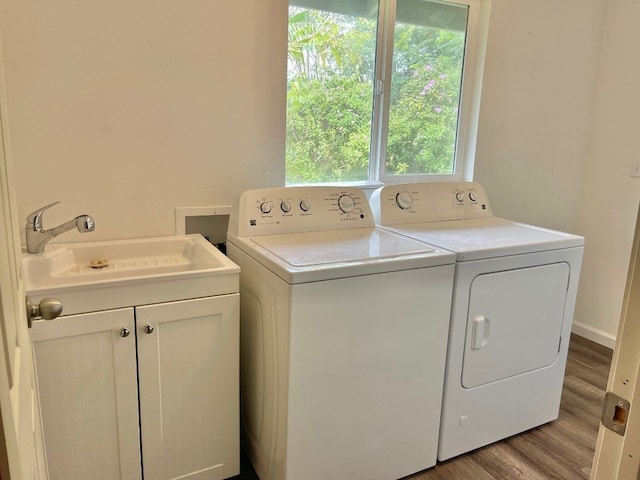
615	413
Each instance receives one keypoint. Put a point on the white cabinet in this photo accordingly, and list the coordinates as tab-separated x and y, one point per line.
176	363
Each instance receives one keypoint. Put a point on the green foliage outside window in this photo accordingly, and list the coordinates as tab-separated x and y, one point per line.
330	97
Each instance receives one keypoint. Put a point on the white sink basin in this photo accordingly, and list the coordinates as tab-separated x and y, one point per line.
137	271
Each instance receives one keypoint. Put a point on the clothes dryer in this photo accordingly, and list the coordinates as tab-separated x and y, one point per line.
343	337
514	295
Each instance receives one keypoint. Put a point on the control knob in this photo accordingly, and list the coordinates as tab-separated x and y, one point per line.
472	196
404	200
285	206
265	207
460	196
305	206
346	203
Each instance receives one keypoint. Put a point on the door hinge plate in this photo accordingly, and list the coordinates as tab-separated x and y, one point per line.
615	413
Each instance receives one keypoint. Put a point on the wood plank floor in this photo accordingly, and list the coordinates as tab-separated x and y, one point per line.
561	450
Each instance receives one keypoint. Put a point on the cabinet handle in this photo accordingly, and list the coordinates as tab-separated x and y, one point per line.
148	329
125	332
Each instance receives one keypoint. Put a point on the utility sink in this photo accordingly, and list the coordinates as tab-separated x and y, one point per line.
119	273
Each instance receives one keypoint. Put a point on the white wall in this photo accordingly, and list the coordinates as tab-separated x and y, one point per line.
609	197
538	84
126	110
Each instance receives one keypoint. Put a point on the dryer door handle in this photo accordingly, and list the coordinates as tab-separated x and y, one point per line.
481	331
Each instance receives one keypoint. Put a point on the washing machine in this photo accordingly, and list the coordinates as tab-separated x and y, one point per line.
343	337
513	302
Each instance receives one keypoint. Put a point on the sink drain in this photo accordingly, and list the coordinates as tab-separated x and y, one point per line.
99	263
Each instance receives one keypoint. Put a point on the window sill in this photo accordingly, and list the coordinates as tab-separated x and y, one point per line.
367	186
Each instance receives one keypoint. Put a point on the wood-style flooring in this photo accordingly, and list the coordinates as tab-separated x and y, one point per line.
561	450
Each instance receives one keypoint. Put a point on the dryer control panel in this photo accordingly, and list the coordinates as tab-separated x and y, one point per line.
423	202
274	211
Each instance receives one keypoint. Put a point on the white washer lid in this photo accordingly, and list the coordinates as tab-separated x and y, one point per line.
489	237
314	256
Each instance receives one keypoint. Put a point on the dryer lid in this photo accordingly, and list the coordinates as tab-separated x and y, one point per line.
489	237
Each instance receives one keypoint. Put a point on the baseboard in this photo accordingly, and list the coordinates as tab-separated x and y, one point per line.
594	334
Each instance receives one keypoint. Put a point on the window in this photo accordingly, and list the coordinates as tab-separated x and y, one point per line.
376	91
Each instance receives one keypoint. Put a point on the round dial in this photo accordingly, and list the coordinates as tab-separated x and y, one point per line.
346	203
404	200
305	206
460	196
472	196
285	206
265	207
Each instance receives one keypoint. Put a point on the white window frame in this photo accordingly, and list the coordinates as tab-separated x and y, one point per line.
472	73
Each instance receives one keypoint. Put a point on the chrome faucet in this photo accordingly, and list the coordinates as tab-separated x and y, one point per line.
38	237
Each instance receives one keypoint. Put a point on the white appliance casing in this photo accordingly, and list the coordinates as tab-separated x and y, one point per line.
514	296
342	361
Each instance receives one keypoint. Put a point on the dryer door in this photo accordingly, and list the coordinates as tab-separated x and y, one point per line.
514	322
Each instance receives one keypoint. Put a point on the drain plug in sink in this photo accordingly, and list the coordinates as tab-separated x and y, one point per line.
98	263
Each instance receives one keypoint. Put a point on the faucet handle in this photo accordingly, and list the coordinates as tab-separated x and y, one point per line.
35	218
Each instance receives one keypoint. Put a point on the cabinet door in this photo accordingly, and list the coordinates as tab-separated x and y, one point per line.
188	370
86	374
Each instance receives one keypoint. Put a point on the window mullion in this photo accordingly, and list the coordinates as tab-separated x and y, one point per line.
382	89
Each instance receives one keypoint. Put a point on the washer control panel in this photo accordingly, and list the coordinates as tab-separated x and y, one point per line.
274	211
429	202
